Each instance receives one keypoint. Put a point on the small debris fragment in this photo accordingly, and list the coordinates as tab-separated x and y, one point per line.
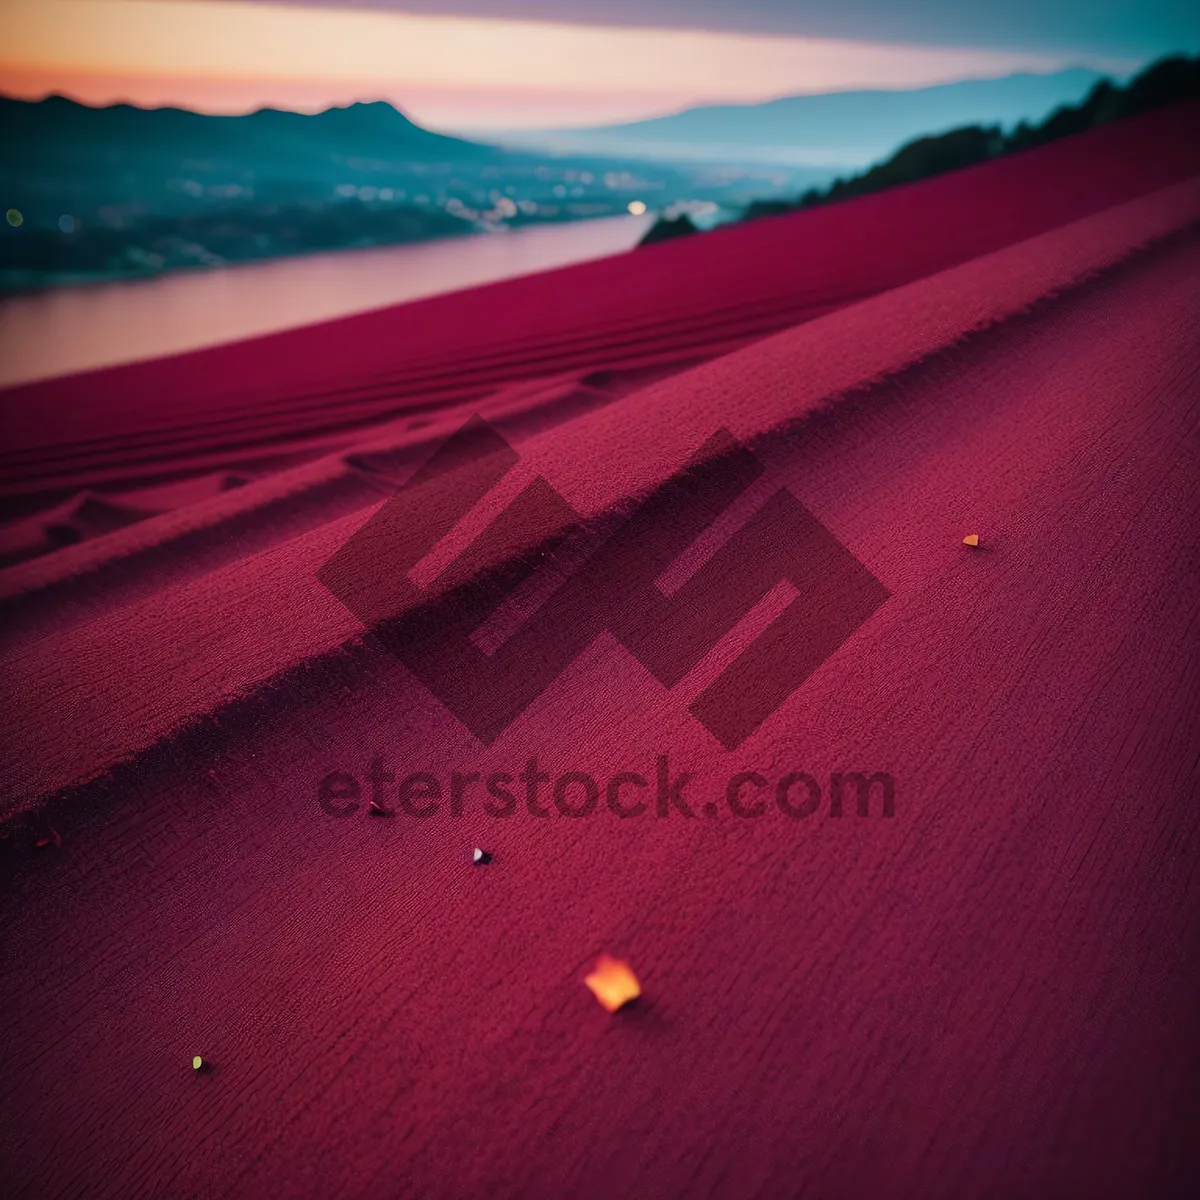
481	858
613	983
972	539
53	838
197	1063
377	810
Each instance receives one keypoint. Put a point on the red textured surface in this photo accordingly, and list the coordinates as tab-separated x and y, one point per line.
992	993
667	304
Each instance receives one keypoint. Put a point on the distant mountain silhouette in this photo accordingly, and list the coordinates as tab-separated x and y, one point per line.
1163	82
124	190
60	132
366	124
120	191
836	128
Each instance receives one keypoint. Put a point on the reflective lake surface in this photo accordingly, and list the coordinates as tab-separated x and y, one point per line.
67	329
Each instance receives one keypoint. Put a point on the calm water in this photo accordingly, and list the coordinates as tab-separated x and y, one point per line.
71	329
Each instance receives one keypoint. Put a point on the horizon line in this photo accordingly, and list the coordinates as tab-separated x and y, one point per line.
37	96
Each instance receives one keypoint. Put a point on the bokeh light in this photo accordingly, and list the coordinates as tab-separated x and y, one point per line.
14	217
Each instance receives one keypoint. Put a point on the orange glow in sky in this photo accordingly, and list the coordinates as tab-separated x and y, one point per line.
445	72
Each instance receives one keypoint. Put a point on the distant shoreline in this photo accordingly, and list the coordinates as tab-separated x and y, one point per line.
15	283
61	330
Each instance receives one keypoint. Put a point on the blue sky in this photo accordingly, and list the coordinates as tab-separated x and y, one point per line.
1136	28
479	64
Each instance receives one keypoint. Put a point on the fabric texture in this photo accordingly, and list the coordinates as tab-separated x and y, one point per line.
983	985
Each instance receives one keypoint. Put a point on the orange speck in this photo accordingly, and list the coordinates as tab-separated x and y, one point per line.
613	983
972	539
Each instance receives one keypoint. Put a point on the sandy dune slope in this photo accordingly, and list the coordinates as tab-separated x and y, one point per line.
991	992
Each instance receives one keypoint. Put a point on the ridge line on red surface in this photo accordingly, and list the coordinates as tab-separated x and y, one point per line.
590	310
183	660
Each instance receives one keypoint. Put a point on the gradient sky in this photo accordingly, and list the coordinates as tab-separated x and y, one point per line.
477	64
